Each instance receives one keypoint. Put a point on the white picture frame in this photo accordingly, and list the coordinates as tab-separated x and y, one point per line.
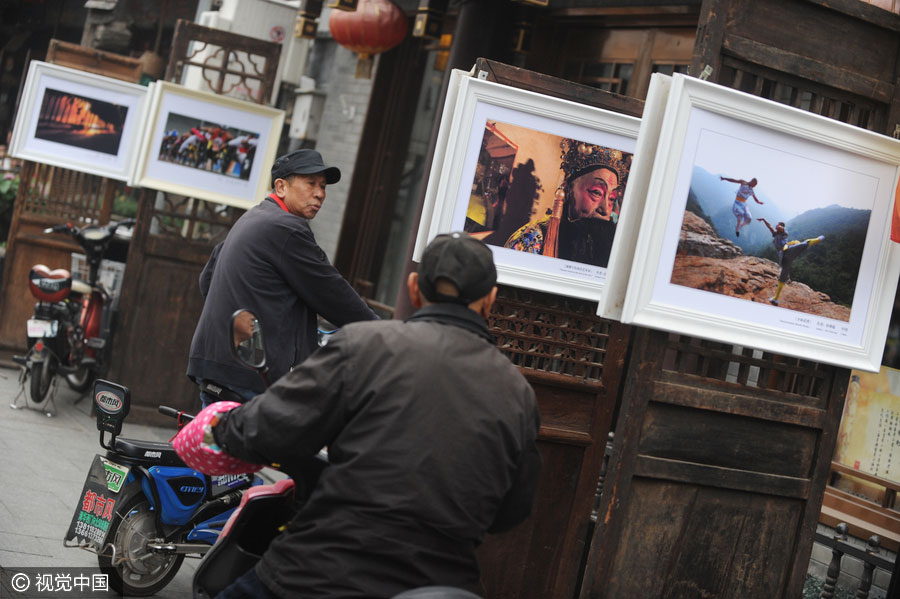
815	174
437	161
535	125
622	254
80	121
207	146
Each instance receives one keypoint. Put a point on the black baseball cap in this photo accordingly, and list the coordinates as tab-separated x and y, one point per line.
304	162
464	261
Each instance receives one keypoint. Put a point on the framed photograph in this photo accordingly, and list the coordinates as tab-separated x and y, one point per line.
207	146
764	226
80	121
539	179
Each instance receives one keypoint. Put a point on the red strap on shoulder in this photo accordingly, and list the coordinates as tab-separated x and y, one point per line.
279	201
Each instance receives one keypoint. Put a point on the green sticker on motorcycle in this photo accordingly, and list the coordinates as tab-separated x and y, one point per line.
115	475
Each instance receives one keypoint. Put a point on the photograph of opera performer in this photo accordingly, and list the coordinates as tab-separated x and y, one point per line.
79	121
801	248
574	218
208	146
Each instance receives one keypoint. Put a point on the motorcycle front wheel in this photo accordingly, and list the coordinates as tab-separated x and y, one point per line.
41	376
134	570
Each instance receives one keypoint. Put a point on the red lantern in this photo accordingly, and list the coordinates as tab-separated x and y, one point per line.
375	26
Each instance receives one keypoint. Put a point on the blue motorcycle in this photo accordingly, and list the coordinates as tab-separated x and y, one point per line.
142	511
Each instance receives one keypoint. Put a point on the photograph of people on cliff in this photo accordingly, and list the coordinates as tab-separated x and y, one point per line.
807	261
540	193
739	208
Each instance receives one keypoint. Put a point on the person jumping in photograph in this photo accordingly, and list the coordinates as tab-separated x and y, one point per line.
779	236
740	210
790	252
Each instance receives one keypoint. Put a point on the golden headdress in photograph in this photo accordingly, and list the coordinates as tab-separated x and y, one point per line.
579	158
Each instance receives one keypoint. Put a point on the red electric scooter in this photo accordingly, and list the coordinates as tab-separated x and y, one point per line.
71	329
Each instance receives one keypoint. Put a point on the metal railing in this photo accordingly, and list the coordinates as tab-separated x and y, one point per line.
870	556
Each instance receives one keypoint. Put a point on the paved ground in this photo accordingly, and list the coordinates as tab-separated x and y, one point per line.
43	467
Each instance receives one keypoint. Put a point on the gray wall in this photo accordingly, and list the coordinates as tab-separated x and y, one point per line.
333	67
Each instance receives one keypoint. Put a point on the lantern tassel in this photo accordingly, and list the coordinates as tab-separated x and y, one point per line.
364	66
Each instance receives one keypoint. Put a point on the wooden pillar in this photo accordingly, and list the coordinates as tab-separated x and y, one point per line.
474	36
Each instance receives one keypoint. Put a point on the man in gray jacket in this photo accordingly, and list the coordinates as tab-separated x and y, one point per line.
271	265
431	434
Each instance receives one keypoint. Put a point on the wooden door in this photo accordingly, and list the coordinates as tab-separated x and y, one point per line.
717	473
574	361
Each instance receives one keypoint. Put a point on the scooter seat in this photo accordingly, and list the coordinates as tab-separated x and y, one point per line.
162	454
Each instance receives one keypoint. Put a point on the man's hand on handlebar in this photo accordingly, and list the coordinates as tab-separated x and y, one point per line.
182	418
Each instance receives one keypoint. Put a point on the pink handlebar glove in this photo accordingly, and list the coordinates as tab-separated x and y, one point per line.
196	446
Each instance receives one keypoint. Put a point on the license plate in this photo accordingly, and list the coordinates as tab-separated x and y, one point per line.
42	328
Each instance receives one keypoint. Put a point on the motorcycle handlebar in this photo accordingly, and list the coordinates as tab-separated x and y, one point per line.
181	417
69	228
59	228
128	222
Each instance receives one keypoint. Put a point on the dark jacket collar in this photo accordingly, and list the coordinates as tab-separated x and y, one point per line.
454	315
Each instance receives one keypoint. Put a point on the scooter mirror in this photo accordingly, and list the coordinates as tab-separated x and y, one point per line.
247	339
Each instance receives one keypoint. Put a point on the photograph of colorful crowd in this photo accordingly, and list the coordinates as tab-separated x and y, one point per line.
208	146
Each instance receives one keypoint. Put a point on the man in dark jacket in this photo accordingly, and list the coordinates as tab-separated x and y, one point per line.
271	265
431	434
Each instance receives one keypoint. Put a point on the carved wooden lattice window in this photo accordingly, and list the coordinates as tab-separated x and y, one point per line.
800	93
549	333
180	217
228	64
745	366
